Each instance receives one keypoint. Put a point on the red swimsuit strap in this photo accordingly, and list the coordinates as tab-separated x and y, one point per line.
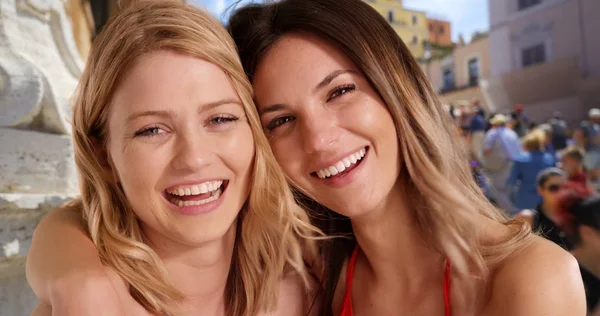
347	303
350	277
447	297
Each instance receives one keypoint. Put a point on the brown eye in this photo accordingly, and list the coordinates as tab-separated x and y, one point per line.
275	123
340	91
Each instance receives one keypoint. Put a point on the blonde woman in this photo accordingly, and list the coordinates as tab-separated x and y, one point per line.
526	167
180	193
356	127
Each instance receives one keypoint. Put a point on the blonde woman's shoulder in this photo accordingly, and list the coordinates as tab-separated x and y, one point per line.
295	299
541	279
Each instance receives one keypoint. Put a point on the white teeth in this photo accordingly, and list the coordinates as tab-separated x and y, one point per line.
341	165
211	198
332	170
346	162
203	188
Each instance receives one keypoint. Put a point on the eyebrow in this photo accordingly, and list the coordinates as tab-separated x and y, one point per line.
167	114
327	80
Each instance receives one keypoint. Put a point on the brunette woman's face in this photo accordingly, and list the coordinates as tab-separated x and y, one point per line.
328	127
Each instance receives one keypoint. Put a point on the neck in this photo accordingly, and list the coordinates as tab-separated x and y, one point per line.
199	272
392	243
548	210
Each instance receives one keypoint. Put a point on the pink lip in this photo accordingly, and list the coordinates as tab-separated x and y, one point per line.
338	181
193	210
330	162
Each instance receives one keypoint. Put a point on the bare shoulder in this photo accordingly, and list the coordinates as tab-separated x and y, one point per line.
69	214
295	299
541	279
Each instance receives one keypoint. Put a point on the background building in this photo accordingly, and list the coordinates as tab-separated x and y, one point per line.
410	25
457	74
439	32
545	54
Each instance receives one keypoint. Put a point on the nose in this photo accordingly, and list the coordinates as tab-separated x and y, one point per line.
192	153
319	131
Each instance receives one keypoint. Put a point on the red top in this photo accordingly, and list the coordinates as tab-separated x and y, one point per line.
579	178
347	302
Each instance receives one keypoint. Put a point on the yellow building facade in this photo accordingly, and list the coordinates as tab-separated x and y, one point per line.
410	25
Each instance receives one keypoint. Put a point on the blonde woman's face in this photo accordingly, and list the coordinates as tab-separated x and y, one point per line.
181	148
328	128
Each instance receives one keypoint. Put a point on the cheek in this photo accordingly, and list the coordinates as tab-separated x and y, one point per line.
135	170
288	156
237	150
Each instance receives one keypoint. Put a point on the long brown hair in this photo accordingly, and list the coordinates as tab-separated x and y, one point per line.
269	240
435	172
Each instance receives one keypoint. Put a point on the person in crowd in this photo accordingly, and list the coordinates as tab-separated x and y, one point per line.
578	216
476	132
594	122
548	146
364	140
525	169
572	163
180	193
519	120
592	146
542	218
501	146
559	130
480	179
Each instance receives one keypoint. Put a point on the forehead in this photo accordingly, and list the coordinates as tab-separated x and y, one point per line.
298	59
167	80
555	179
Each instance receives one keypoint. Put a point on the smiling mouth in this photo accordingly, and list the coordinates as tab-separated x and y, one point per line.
195	195
342	167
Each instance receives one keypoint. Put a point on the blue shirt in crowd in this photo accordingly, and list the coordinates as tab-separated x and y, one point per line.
525	169
477	124
508	138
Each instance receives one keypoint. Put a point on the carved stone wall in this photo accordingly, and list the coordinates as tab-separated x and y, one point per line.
41	49
40	64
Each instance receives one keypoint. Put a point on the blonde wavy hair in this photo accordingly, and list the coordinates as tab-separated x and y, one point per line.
435	171
534	140
270	239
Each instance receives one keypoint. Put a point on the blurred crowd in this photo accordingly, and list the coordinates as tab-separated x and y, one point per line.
547	174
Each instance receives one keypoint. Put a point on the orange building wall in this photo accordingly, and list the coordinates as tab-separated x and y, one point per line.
439	32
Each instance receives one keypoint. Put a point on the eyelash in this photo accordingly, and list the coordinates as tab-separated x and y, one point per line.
147	132
217	120
347	88
223	119
277	122
336	92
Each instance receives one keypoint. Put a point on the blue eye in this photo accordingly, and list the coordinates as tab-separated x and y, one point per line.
277	122
223	119
149	132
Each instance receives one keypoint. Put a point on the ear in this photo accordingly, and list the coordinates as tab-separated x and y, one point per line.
539	190
103	157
